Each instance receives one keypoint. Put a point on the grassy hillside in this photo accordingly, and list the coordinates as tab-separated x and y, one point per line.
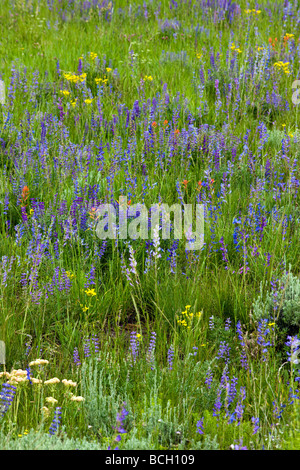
162	102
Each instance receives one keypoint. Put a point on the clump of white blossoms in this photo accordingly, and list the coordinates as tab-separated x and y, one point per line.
55	380
69	383
38	362
73	398
51	400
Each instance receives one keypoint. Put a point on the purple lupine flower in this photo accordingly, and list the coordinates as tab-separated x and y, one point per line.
76	357
28	348
151	350
28	375
263	332
24	215
294	343
95	341
224	252
293	395
56	421
209	378
244	360
255	422
232	390
79	69
227	324
276	413
239	446
120	425
134	346
211	323
195	351
240	407
224	351
120	420
7	394
218	403
200	427
86	347
171	357
90	277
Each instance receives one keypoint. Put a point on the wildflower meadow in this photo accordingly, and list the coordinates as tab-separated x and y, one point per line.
136	340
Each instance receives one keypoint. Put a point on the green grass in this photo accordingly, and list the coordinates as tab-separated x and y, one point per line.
85	154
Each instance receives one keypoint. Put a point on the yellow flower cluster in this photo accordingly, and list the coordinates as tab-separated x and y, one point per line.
69	274
199	55
282	66
101	80
93	55
236	49
88	101
288	36
73	103
252	12
148	78
187	317
65	92
75	78
90	292
258	48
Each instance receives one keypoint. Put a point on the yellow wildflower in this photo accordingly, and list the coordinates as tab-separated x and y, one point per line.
90	292
69	274
65	92
93	55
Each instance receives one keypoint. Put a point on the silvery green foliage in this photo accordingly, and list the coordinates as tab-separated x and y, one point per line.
162	423
100	407
275	137
39	440
137	443
209	443
283	305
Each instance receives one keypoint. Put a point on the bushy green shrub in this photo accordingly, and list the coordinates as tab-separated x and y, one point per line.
281	305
